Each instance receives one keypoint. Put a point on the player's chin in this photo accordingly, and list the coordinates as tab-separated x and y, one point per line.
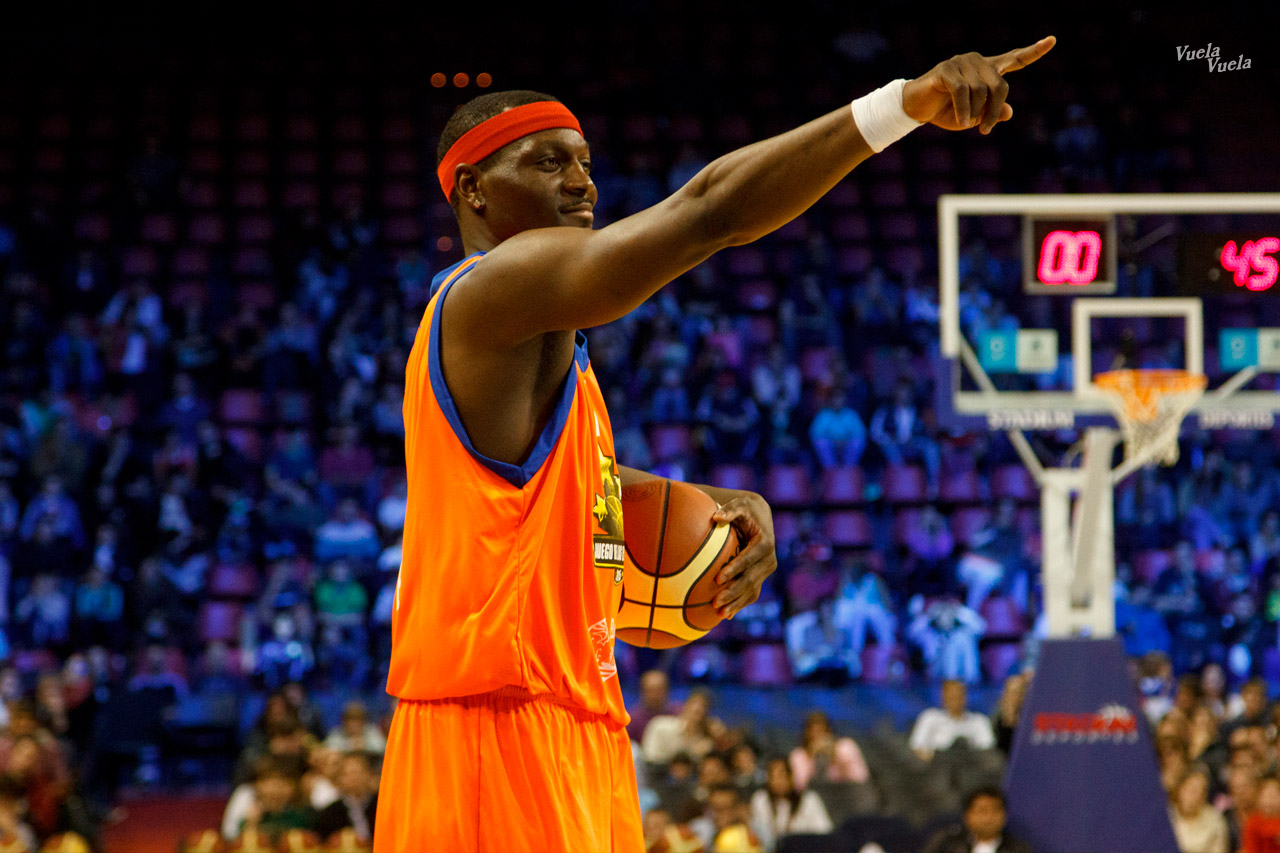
577	219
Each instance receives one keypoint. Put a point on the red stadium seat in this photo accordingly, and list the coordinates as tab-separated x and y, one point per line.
904	521
984	160
300	130
848	529
734	477
250	194
899	227
242	406
758	295
259	294
766	665
904	484
350	129
850	227
1000	660
188	293
1004	618
668	441
817	363
401	163
138	261
190	262
248	441
854	260
843	486
205	128
228	581
253	163
889	194
1014	481
883	664
351	163
203	195
966	522
401	195
29	661
686	129
746	262
403	230
93	228
204	161
253	128
845	195
255	228
206	228
786	528
301	161
398	128
301	195
788	485
251	262
961	487
219	620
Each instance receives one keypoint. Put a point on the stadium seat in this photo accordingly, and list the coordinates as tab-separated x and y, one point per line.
967	521
300	130
788	485
1211	561
251	195
93	228
936	160
845	195
188	292
854	260
401	163
899	227
190	261
843	486
398	129
204	161
205	128
1014	481
351	163
28	661
746	262
816	363
242	406
1000	660
983	160
883	664
850	227
207	229
734	477
258	294
904	484
255	229
904	521
1004	618
888	195
685	129
140	261
301	161
403	230
765	665
401	195
251	262
848	529
219	620
758	295
252	163
668	441
253	128
961	487
786	527
231	581
300	195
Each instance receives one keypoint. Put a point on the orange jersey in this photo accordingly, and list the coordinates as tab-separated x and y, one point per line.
511	574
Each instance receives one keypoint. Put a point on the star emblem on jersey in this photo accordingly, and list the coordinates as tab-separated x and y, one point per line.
609	546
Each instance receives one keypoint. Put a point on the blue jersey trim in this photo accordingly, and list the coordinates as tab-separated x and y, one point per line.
516	475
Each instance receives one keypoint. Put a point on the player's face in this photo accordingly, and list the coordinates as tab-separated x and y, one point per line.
542	180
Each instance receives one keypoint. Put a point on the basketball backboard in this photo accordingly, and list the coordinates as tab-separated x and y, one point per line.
1040	293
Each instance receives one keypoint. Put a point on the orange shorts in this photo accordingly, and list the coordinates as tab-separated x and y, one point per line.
506	772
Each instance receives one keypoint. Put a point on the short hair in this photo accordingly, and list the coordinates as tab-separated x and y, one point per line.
1255	684
725	789
481	109
270	767
985	791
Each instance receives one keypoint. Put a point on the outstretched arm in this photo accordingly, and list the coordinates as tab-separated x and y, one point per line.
555	279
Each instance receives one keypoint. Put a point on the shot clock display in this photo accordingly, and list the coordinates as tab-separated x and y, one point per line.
1223	263
1073	256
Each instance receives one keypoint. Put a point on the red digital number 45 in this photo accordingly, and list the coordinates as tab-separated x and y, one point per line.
1253	255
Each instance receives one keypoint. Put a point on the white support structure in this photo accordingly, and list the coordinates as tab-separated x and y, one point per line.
1077	524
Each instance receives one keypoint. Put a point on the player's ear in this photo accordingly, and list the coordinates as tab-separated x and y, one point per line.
466	182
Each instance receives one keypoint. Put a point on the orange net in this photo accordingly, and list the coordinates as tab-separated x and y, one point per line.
1150	406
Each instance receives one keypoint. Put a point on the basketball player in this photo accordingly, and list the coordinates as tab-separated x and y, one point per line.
509	731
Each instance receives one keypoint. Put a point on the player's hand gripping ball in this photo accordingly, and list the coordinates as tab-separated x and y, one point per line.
674	552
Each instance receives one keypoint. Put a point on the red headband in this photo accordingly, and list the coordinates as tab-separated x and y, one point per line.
504	128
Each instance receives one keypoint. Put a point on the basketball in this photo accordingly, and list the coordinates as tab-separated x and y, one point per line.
673	554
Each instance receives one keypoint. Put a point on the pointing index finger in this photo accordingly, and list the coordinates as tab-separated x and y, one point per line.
1023	56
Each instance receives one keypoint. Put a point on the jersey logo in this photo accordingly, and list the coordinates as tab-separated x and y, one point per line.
602	638
610	546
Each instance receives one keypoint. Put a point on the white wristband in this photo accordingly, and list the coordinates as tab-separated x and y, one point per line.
880	116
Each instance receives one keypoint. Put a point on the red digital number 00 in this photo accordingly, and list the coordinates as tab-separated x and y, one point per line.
1253	255
1070	257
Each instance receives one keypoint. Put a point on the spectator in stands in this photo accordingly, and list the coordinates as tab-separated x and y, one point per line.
688	732
99	608
284	657
44	613
54	503
983	829
15	832
713	772
930	547
1239	802
1196	824
823	757
1004	721
780	808
941	728
655	700
44	790
356	732
1250	709
776	385
358	803
1213	686
156	673
730	417
837	433
863	601
347	535
1262	829
748	775
899	432
663	835
669	401
947	633
816	645
275	804
725	827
